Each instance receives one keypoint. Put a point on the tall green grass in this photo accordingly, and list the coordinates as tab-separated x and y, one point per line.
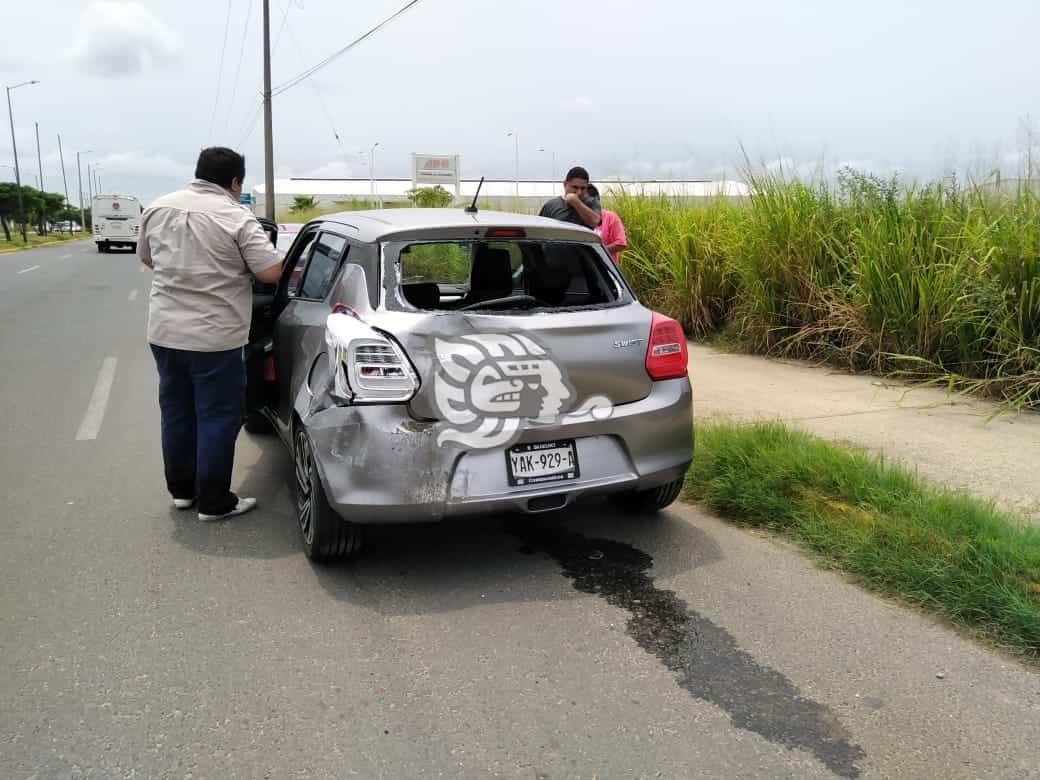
937	282
941	550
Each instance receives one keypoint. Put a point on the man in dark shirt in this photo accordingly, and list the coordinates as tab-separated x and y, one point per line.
575	206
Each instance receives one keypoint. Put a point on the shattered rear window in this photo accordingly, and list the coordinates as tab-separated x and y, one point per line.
475	275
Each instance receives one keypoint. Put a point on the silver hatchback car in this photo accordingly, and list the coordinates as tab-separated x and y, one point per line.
430	363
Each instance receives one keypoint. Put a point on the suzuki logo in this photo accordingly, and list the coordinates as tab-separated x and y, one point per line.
628	343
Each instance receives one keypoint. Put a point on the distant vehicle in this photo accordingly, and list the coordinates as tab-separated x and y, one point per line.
117	221
65	226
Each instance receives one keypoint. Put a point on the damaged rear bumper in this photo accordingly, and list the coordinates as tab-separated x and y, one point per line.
379	465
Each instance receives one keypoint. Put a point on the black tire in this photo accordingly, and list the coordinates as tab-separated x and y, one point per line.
257	423
100	247
325	535
648	501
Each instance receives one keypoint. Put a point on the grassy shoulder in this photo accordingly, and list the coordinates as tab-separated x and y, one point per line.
34	240
938	549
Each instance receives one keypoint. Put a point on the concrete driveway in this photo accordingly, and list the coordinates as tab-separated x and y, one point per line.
949	439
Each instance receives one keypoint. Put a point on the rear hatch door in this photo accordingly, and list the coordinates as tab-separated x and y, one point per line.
116	227
556	361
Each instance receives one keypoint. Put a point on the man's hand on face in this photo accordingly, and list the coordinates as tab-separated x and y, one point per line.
572	198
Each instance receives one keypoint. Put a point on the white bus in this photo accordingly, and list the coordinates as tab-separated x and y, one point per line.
117	221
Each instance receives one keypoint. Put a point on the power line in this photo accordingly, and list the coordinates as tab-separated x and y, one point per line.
238	70
250	124
285	17
315	68
318	96
220	73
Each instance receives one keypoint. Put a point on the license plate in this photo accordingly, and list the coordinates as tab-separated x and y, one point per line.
541	462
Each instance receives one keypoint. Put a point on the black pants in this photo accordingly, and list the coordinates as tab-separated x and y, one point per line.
200	398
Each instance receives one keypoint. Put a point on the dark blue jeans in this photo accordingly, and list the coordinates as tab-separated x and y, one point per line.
200	398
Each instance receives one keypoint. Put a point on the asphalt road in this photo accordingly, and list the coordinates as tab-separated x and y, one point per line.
137	642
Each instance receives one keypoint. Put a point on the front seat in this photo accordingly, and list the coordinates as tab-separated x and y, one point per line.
491	276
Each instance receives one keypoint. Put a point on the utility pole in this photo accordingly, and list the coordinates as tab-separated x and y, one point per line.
14	148
39	161
268	125
82	211
90	185
64	180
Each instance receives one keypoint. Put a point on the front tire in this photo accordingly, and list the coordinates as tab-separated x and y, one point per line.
100	248
326	536
649	501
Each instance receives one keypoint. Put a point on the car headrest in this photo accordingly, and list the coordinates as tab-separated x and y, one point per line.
492	274
422	295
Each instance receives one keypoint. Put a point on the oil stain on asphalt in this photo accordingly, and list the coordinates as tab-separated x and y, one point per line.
705	658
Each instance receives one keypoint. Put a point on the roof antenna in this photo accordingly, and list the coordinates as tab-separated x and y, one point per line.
472	207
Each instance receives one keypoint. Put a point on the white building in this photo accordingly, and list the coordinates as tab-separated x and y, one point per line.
499	193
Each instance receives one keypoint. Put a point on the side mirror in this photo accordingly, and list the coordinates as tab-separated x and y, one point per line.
271	228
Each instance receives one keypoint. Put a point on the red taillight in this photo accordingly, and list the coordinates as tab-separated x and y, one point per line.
269	373
505	233
666	353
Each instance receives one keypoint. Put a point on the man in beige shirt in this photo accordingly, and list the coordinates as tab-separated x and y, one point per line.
203	249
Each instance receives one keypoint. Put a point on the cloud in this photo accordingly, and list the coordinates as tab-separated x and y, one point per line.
664	169
119	39
144	164
580	104
337	169
781	165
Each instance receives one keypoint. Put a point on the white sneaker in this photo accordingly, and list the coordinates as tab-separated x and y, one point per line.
183	503
244	505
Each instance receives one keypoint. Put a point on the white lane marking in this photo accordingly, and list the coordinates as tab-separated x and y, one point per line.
65	257
95	414
132	296
30	268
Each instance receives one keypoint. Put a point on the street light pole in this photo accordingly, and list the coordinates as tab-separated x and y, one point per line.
372	173
90	185
552	171
516	143
39	161
268	122
14	148
65	181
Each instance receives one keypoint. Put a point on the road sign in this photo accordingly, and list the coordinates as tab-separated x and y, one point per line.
435	169
246	199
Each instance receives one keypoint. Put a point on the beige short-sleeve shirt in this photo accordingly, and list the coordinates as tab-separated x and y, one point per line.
203	247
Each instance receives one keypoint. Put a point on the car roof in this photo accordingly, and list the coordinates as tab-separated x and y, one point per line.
379	224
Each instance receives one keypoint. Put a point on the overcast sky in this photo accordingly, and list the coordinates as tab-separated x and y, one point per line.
650	88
